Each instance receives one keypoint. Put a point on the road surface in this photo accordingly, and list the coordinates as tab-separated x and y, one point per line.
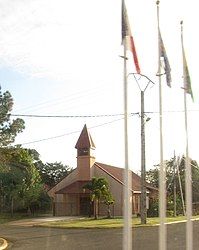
33	238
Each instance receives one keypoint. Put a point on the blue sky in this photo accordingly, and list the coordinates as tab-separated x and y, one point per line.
62	58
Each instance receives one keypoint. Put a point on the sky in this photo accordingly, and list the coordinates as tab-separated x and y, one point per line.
62	58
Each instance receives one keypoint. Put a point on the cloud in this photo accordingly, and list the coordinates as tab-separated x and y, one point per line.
32	39
55	39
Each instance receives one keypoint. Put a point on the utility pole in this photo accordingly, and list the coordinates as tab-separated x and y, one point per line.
143	209
143	167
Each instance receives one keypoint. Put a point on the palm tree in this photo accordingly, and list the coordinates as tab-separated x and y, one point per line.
99	188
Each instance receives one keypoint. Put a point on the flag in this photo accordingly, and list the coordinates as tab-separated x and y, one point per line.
163	55
186	76
127	37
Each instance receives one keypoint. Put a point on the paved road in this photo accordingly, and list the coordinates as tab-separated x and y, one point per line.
34	238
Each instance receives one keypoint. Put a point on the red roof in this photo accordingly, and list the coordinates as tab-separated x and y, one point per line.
85	140
118	174
74	188
115	172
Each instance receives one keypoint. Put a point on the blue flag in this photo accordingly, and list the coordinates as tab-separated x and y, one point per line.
166	65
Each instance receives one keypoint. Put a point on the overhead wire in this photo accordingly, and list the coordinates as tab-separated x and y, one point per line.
70	133
80	116
93	116
71	116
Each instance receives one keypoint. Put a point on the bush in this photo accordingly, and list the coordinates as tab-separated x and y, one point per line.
153	208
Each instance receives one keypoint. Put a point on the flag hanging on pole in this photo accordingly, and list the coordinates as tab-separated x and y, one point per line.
127	37
186	77
166	65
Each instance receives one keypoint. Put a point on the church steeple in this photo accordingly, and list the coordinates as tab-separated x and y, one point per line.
85	143
85	157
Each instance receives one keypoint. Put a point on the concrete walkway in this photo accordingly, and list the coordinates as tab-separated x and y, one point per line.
35	221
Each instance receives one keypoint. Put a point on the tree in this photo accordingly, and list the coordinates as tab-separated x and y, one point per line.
152	176
52	173
109	201
99	189
20	180
31	189
8	129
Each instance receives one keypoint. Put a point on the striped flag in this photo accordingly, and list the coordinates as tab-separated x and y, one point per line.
127	37
186	76
163	55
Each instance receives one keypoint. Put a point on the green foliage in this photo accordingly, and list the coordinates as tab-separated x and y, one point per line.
52	173
153	176
8	129
20	181
31	187
153	208
99	189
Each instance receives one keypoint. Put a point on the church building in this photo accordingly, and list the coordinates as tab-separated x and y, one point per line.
71	198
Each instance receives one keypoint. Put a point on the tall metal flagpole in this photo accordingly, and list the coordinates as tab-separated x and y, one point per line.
188	186
188	174
162	175
127	231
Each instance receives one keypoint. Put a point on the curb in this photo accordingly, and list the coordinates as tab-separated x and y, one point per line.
3	244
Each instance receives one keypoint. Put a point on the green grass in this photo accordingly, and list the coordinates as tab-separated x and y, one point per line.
6	217
90	222
106	223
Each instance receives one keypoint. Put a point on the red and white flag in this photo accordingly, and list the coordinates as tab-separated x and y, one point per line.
127	37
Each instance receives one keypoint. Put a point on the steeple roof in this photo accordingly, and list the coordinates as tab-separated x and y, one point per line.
85	140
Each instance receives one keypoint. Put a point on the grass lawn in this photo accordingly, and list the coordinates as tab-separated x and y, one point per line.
6	217
106	223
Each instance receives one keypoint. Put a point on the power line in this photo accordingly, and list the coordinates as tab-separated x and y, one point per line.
70	116
93	116
70	133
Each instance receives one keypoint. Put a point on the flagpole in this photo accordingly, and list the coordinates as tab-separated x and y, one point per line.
162	175
188	186
127	200
188	174
127	231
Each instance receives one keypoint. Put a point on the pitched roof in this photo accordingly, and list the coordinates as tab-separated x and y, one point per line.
85	140
118	173
115	172
74	188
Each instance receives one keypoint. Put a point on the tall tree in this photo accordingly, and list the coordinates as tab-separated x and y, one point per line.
52	173
8	129
171	177
19	178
